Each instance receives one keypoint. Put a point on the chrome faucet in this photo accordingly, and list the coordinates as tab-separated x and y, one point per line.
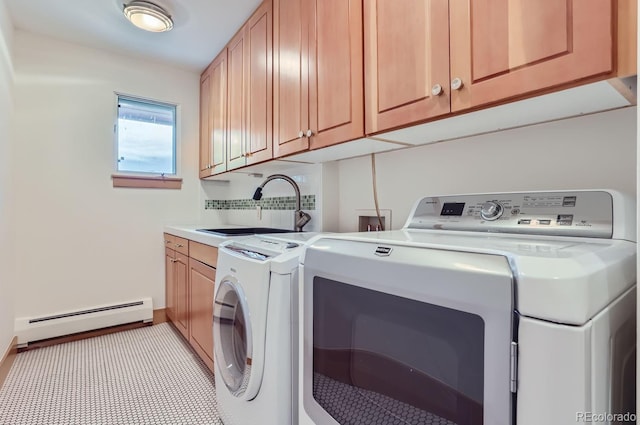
300	218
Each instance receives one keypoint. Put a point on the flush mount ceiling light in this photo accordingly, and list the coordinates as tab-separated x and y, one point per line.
148	16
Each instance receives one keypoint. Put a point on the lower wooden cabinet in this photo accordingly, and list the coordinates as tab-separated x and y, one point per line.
190	276
201	288
182	294
170	282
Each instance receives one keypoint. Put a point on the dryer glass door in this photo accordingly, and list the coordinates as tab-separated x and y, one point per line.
232	336
406	335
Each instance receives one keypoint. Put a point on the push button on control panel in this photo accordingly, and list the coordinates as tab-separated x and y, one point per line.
524	221
565	219
544	222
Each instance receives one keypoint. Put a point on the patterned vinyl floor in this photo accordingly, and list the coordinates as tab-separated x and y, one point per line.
146	376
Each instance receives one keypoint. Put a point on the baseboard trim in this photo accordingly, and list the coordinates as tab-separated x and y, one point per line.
159	316
7	360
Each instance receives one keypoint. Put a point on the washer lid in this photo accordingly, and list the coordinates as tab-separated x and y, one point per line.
280	254
559	279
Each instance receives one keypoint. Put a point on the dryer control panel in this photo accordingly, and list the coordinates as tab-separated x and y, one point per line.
579	213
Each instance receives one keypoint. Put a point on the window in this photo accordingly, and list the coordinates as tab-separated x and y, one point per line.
146	136
145	144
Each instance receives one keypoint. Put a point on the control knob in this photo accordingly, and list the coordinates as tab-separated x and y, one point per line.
491	210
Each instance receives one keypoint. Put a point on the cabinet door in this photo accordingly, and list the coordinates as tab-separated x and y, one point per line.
406	54
290	76
502	49
259	62
336	104
170	283
219	113
205	123
201	282
236	154
182	294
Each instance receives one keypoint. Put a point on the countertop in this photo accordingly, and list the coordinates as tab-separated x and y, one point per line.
190	232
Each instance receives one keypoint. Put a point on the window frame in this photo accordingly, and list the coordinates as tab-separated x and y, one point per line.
143	179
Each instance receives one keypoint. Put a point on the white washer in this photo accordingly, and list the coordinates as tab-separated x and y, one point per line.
497	309
255	329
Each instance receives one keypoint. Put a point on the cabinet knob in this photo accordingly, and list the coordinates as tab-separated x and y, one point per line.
309	133
456	84
436	90
174	260
301	134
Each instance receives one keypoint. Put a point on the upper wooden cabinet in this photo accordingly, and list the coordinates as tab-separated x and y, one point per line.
506	48
250	90
318	74
236	98
406	58
259	93
426	58
213	117
205	123
307	74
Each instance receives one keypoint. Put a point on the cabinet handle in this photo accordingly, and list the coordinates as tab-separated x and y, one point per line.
436	90
301	134
167	241
309	133
174	260
179	245
456	84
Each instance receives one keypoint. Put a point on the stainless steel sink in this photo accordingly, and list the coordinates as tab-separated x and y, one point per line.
242	231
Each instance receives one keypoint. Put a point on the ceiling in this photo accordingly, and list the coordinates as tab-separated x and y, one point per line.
201	27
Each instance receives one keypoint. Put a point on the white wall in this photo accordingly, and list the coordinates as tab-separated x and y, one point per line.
594	151
81	242
6	236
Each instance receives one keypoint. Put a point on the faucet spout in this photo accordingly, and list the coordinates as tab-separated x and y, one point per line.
300	218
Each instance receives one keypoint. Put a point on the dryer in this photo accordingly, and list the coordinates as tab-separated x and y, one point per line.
255	329
491	309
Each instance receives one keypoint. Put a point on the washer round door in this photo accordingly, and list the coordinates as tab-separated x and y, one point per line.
233	339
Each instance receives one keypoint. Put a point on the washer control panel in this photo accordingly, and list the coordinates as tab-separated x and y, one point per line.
580	213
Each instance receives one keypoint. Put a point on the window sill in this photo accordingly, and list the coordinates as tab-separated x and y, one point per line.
146	182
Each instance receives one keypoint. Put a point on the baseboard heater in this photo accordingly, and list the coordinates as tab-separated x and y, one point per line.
29	329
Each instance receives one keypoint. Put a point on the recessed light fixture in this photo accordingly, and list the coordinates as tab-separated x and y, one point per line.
148	16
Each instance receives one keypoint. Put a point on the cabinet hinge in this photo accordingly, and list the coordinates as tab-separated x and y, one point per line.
513	378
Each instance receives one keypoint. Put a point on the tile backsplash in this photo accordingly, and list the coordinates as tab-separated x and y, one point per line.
308	202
